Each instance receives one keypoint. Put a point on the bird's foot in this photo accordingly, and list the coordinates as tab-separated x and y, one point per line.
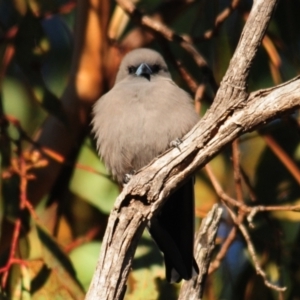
176	143
128	176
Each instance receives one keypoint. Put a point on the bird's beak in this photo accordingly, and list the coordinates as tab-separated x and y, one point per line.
144	70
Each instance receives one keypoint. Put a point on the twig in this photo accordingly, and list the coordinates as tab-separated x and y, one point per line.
60	159
220	19
22	172
283	157
232	234
164	31
62	9
9	50
47	152
275	60
252	211
82	240
214	265
246	180
187	77
252	253
220	192
236	170
11	257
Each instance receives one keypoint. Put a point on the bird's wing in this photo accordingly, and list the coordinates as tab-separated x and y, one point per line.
173	231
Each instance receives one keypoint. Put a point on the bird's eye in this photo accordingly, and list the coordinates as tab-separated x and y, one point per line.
155	68
131	69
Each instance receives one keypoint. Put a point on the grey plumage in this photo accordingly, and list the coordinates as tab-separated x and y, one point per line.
135	122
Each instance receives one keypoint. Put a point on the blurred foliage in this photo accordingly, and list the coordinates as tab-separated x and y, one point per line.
58	245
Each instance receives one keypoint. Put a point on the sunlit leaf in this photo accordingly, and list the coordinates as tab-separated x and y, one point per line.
84	259
97	189
56	276
30	62
147	278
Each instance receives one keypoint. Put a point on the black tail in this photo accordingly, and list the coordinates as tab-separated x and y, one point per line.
173	231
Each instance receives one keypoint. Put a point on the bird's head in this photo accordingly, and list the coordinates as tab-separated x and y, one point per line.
142	63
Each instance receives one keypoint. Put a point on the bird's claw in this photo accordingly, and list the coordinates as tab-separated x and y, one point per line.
128	176
176	143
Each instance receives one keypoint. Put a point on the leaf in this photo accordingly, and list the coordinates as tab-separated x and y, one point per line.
98	190
20	282
56	275
147	278
29	38
84	259
18	102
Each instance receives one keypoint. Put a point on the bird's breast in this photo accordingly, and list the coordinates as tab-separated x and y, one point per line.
136	122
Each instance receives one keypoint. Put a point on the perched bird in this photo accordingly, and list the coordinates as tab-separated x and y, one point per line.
134	122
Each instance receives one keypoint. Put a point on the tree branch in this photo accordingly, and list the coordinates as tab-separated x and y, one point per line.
204	246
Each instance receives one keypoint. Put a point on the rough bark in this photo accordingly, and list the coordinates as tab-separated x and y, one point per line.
204	246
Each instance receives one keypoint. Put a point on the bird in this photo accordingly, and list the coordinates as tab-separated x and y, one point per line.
137	120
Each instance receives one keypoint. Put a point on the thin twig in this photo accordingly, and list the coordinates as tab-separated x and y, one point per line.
252	211
252	252
22	172
87	237
9	50
220	192
283	157
225	245
215	264
220	19
260	208
47	152
247	182
237	171
232	234
11	258
164	31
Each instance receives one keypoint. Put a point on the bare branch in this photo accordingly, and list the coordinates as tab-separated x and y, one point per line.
237	170
253	253
220	19
283	157
204	246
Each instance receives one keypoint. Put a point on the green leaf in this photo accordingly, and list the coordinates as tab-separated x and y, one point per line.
29	59
84	259
97	189
57	276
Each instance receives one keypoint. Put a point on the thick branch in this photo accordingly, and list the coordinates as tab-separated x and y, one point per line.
204	246
232	92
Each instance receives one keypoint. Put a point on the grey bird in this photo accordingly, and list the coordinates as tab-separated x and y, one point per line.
137	120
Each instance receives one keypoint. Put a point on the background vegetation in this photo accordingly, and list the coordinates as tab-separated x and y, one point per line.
57	58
